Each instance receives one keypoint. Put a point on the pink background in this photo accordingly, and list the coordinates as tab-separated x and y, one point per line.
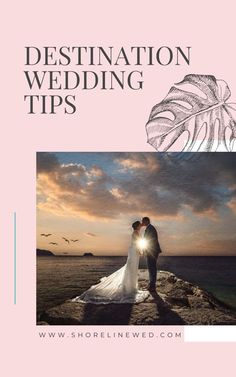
107	121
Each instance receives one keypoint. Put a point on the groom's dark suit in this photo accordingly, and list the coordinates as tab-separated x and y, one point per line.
153	250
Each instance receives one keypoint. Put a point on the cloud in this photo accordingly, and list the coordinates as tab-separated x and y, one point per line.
232	205
172	184
73	189
153	184
138	161
46	162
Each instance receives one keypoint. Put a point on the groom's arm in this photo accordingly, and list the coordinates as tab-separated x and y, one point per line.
151	236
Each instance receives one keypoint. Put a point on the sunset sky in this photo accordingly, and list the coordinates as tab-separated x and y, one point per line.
95	197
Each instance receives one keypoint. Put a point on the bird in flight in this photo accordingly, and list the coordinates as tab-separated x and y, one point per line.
45	235
65	239
53	243
74	240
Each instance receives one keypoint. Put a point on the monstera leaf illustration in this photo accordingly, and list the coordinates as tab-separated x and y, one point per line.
189	121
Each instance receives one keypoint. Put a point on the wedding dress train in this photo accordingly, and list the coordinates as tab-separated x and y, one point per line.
119	287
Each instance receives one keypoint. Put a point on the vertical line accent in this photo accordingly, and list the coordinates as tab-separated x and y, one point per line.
14	226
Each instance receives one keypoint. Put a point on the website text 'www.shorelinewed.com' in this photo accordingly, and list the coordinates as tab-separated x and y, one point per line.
149	335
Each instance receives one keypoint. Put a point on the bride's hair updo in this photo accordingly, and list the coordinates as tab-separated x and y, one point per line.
135	225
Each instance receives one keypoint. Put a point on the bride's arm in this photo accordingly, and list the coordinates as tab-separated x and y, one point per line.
135	237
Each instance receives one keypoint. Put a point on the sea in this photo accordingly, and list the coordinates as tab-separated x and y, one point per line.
60	278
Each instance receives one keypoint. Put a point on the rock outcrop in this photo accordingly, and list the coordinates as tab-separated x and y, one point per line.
44	253
176	302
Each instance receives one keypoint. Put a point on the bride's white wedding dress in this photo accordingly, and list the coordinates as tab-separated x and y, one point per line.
119	287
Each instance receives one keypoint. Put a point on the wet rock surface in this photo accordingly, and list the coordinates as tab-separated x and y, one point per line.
175	302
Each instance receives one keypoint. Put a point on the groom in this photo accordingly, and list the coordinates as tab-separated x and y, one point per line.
152	251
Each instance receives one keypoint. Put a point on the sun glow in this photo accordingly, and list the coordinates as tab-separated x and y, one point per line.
142	244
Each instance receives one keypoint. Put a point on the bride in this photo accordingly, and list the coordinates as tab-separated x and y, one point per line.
122	285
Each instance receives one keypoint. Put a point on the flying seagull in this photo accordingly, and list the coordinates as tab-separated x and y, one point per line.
89	234
53	243
74	240
65	239
45	235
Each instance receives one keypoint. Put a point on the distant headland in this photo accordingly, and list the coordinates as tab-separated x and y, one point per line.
47	253
44	253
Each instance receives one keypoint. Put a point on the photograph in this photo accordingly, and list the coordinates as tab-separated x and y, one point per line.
136	238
